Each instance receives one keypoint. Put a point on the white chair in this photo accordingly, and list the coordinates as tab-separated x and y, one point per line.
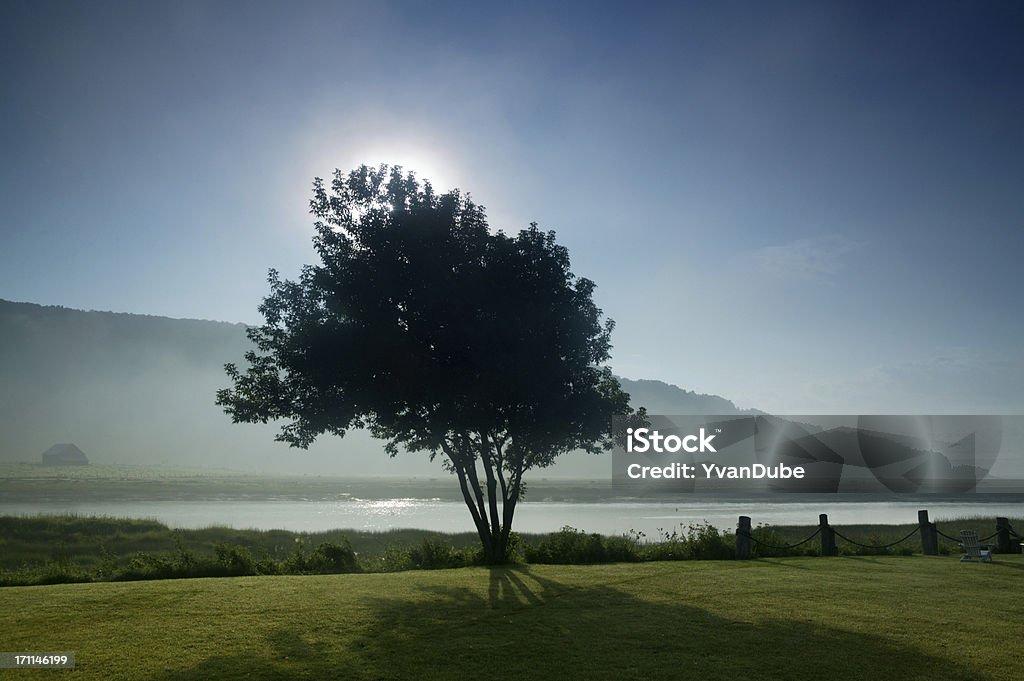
973	548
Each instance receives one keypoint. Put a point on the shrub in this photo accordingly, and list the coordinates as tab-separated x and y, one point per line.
621	550
571	546
708	543
766	537
326	558
700	541
330	557
672	546
394	559
434	553
236	561
149	566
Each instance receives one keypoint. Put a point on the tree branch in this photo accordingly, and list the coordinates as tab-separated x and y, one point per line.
470	467
492	492
460	469
512	500
499	468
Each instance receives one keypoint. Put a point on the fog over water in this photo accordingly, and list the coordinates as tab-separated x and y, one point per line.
136	389
610	518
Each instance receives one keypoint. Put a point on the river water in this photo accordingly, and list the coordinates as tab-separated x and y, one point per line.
611	518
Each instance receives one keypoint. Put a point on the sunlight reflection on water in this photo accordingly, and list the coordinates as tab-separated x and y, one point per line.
539	516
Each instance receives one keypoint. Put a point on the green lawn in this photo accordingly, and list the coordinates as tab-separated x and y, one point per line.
797	618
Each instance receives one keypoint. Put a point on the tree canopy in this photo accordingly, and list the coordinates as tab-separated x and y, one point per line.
436	334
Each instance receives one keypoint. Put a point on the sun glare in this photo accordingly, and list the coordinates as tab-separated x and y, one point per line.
424	163
322	153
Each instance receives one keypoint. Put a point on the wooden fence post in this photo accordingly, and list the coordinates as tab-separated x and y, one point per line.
743	538
929	535
1004	543
828	537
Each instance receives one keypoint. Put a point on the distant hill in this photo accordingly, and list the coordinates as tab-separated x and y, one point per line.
130	388
664	398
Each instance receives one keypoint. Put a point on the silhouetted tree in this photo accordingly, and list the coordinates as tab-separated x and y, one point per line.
438	336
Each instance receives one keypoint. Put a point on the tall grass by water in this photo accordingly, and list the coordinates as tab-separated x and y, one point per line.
70	548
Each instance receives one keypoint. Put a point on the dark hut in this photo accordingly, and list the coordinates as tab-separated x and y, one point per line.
64	455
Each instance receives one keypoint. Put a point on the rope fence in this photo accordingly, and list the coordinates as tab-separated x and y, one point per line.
781	548
881	546
928	531
957	539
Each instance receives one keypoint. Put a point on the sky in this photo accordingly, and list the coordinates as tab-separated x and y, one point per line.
802	207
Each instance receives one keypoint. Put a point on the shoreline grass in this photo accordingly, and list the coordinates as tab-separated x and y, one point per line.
70	548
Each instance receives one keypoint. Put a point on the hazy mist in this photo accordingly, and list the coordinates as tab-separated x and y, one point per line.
140	389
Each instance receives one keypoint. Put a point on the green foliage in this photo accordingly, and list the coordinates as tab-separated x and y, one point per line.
326	558
395	558
876	544
423	325
332	558
767	538
227	561
435	553
697	541
149	566
437	335
64	549
873	535
78	548
235	560
572	546
707	542
430	553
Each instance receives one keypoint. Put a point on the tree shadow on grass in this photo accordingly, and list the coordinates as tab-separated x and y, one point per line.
874	560
767	561
523	625
1005	564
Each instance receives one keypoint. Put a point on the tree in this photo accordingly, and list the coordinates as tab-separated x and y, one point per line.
438	336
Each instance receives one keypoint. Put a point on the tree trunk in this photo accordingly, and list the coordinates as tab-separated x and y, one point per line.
499	550
493	527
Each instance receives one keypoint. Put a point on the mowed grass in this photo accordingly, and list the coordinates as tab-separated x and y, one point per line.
796	618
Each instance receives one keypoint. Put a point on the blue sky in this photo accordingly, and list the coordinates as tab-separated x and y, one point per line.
803	207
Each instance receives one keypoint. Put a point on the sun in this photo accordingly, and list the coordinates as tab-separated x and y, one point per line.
422	165
424	162
318	152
